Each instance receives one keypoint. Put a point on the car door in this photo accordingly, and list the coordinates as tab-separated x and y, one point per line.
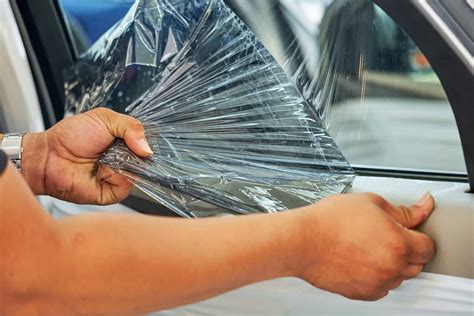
392	118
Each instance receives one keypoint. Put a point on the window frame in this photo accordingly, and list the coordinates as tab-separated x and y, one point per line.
50	50
453	71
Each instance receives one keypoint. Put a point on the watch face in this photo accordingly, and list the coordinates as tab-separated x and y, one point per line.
3	162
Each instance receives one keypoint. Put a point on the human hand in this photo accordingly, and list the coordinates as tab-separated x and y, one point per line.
361	246
62	162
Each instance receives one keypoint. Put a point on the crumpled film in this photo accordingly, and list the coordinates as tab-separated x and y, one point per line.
230	131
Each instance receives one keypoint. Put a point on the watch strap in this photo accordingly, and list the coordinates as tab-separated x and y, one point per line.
3	162
12	145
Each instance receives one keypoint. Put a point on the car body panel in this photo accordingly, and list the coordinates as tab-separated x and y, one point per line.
20	108
427	295
450	225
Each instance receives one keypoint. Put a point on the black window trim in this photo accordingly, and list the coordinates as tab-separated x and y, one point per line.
50	50
448	64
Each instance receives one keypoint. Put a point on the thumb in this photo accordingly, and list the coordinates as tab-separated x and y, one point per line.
411	217
126	127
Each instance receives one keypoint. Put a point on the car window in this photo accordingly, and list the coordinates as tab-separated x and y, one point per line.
88	19
374	89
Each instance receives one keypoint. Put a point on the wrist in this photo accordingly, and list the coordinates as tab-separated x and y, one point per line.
309	240
33	162
297	241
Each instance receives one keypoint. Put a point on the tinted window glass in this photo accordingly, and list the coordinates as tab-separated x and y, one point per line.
380	99
369	82
89	19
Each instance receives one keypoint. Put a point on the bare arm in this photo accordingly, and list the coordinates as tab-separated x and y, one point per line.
131	264
102	264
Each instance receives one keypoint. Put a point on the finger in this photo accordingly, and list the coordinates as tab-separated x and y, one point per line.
104	173
422	247
377	200
127	128
114	190
411	271
111	177
413	216
113	194
395	284
118	180
376	297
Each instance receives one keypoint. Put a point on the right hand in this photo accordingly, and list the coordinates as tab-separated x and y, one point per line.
71	149
361	246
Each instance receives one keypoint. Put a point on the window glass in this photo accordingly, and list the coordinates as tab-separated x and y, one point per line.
89	19
375	90
380	99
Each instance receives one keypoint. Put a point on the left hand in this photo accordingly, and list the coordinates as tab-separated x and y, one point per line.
62	162
362	246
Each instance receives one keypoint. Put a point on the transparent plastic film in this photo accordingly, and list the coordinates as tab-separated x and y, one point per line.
230	131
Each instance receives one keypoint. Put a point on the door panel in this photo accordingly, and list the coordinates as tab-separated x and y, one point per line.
429	294
451	225
447	289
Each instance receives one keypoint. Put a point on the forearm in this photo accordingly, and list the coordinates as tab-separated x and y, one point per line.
130	264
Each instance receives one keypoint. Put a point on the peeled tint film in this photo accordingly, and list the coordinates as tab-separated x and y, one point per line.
230	131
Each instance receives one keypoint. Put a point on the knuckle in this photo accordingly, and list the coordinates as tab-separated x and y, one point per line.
375	295
135	125
397	284
381	295
367	293
374	288
357	293
406	214
431	250
372	298
377	292
103	111
371	196
389	273
427	250
418	270
399	248
375	198
353	296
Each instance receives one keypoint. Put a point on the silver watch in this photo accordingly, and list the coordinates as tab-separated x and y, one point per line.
12	145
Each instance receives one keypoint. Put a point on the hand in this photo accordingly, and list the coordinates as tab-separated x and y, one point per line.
361	246
62	162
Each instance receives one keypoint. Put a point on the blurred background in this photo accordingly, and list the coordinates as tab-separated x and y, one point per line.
366	79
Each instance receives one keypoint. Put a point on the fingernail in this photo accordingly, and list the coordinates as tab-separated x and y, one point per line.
424	198
144	145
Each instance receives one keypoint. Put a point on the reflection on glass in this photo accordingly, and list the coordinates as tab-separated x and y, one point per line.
367	80
87	20
230	132
385	106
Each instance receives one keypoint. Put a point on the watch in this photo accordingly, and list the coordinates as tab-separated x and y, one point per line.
12	145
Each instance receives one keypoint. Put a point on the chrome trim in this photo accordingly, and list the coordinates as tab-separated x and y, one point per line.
471	3
444	30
